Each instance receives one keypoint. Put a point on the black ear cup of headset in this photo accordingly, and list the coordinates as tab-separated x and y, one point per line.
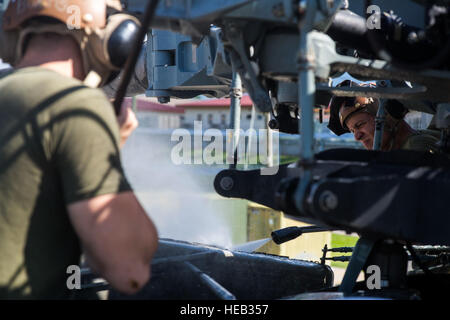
121	41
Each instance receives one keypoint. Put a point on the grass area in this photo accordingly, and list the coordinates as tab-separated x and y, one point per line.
254	162
288	159
340	240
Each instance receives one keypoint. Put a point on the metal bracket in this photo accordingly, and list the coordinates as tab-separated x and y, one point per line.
238	55
361	252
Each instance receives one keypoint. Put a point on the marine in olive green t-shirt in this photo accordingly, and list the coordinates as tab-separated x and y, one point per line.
58	145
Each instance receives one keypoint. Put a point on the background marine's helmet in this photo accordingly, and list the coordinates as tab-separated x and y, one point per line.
342	108
356	105
104	34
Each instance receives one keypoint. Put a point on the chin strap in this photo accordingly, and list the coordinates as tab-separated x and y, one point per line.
393	137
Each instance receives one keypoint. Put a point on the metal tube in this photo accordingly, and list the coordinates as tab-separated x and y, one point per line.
306	95
269	142
250	138
235	112
212	284
379	126
307	90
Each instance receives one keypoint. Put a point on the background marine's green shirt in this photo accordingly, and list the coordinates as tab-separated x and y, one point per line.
58	145
422	140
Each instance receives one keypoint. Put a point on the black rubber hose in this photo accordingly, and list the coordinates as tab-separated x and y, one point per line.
377	46
134	55
350	30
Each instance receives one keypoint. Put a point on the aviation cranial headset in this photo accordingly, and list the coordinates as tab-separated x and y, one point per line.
342	108
104	34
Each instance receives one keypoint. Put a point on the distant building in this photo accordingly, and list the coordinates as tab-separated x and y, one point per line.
215	113
155	115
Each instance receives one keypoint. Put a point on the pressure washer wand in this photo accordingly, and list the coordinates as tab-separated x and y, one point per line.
290	233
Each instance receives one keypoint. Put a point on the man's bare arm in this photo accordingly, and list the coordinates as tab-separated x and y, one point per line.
128	122
118	239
